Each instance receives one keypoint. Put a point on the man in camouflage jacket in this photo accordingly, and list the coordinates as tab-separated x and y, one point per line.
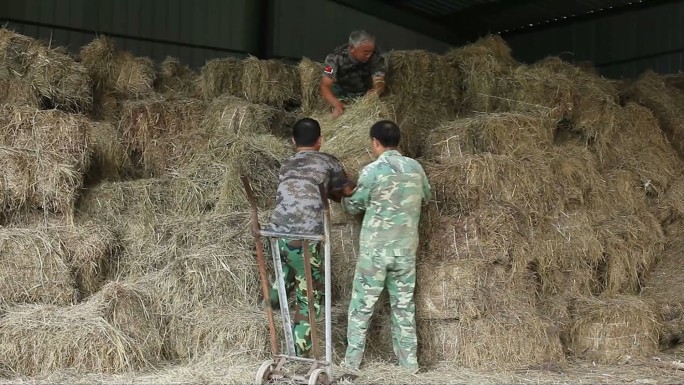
352	70
391	191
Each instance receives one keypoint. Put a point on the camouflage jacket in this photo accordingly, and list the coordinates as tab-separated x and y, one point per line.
351	76
299	208
391	190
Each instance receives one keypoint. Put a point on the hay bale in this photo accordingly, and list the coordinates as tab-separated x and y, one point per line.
310	75
110	160
665	101
344	255
232	115
117	71
270	82
221	77
664	287
623	194
496	232
506	340
42	76
566	255
160	134
422	75
483	66
33	269
417	118
640	146
612	329
632	245
502	134
115	331
45	154
669	208
216	169
468	289
218	331
464	183
176	80
348	136
576	176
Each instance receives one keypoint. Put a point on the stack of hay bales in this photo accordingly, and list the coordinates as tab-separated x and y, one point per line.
38	76
175	79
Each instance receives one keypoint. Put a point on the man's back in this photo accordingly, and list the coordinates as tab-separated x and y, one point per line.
397	187
299	208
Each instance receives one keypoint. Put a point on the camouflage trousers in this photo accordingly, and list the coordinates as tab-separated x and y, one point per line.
373	274
292	255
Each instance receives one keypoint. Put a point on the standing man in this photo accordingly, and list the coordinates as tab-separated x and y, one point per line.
391	191
352	70
299	210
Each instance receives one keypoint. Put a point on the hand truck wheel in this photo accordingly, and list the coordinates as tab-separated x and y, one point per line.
263	375
319	377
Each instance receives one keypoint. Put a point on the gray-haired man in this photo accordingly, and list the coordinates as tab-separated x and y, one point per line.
352	70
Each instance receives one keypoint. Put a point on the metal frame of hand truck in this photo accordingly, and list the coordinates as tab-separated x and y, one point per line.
320	371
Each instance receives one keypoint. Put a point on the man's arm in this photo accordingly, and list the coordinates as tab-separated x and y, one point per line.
379	64
378	85
359	200
329	96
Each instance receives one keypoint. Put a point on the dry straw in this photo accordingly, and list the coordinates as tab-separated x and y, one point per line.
221	77
664	287
117	71
576	175
348	136
614	329
110	160
175	79
270	82
160	134
482	67
43	155
116	330
505	340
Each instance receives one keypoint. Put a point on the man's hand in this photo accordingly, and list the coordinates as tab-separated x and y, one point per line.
338	109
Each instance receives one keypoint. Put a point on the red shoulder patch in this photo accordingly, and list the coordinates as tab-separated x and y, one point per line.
328	70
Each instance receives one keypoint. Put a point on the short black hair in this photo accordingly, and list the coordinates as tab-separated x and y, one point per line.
386	132
306	132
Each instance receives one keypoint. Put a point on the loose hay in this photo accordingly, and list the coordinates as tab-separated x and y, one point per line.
117	71
114	331
469	289
669	208
175	79
270	82
612	329
344	255
482	66
577	178
348	136
159	133
506	340
33	269
623	193
221	77
310	74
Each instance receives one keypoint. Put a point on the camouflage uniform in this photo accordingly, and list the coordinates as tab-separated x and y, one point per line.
391	190
299	210
353	78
